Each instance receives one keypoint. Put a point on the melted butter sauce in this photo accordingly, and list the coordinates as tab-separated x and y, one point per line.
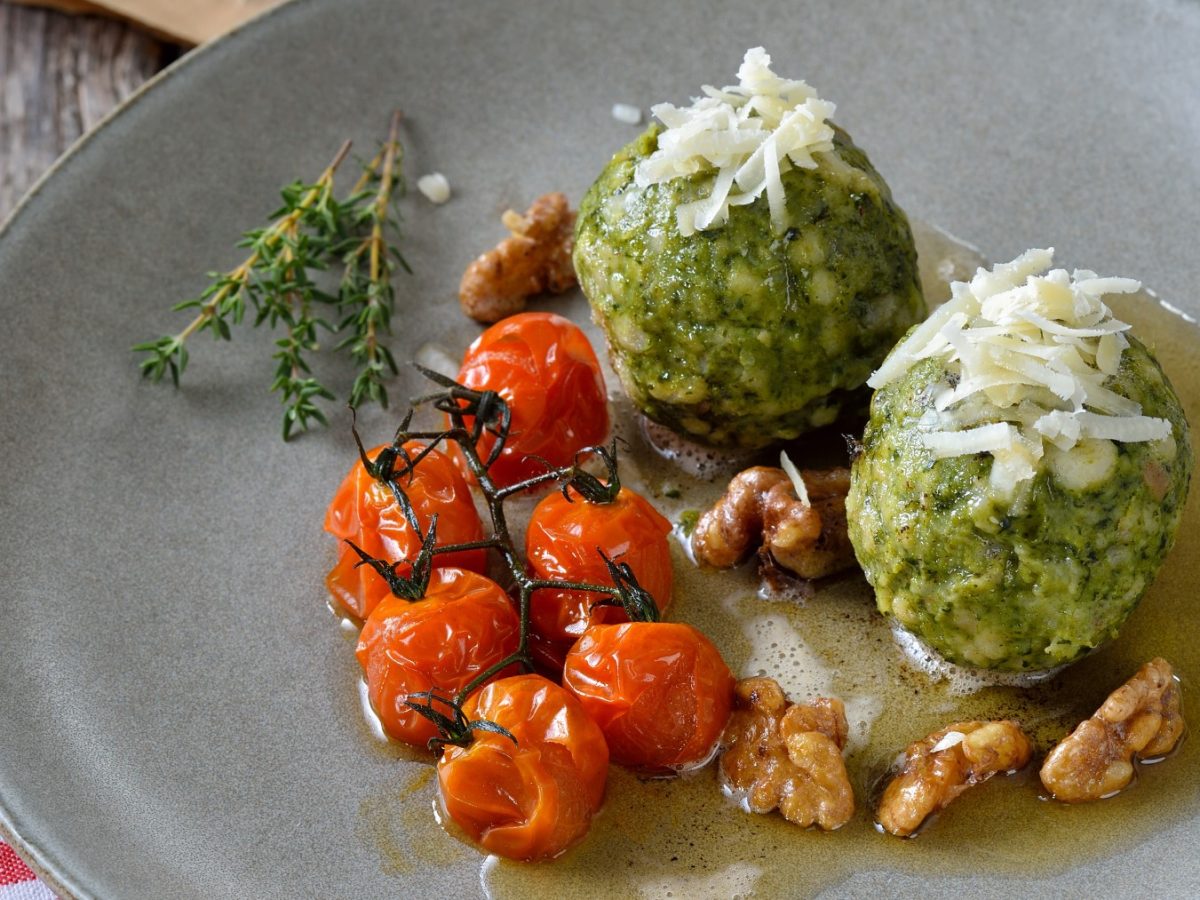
684	838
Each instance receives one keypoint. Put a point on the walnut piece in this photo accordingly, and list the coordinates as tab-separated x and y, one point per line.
535	259
941	766
760	506
788	755
1142	718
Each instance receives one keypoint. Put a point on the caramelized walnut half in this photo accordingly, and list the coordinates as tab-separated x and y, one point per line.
1142	718
760	506
941	766
788	755
535	259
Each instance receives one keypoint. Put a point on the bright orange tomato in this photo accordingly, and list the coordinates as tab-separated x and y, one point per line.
465	623
561	542
534	799
659	691
365	511
546	370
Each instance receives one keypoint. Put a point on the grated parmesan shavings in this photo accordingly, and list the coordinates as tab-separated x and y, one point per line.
951	739
1027	358
748	134
789	468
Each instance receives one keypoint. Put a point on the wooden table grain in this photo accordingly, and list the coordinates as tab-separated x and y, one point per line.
59	76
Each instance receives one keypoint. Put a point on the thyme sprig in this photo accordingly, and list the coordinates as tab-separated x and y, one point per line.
472	414
312	231
366	297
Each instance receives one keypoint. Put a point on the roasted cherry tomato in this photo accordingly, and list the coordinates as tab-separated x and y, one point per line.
546	370
365	511
465	624
562	542
659	691
535	798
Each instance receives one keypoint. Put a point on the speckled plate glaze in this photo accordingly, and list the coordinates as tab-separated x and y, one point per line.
178	715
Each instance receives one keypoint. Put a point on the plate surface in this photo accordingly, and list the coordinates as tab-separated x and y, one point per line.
177	712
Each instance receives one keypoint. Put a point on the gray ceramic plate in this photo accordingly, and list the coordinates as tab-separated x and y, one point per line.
177	712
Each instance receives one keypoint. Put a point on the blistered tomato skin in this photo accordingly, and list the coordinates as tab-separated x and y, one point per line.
535	798
660	692
562	541
366	512
465	624
546	370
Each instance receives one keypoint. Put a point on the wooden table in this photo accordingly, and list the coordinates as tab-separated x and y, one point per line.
59	76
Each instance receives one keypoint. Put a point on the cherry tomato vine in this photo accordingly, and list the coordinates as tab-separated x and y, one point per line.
475	415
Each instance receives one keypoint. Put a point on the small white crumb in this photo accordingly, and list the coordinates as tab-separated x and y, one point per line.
789	467
624	112
435	187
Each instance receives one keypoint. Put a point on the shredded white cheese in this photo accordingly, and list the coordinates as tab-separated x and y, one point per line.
951	739
627	113
789	468
1027	357
435	187
749	134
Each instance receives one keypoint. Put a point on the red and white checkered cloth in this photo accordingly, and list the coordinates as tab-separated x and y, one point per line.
17	881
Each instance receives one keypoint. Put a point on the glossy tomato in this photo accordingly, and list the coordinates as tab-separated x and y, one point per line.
465	624
367	513
546	370
659	691
535	798
562	542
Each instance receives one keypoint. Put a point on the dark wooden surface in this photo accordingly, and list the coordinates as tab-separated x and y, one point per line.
59	76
